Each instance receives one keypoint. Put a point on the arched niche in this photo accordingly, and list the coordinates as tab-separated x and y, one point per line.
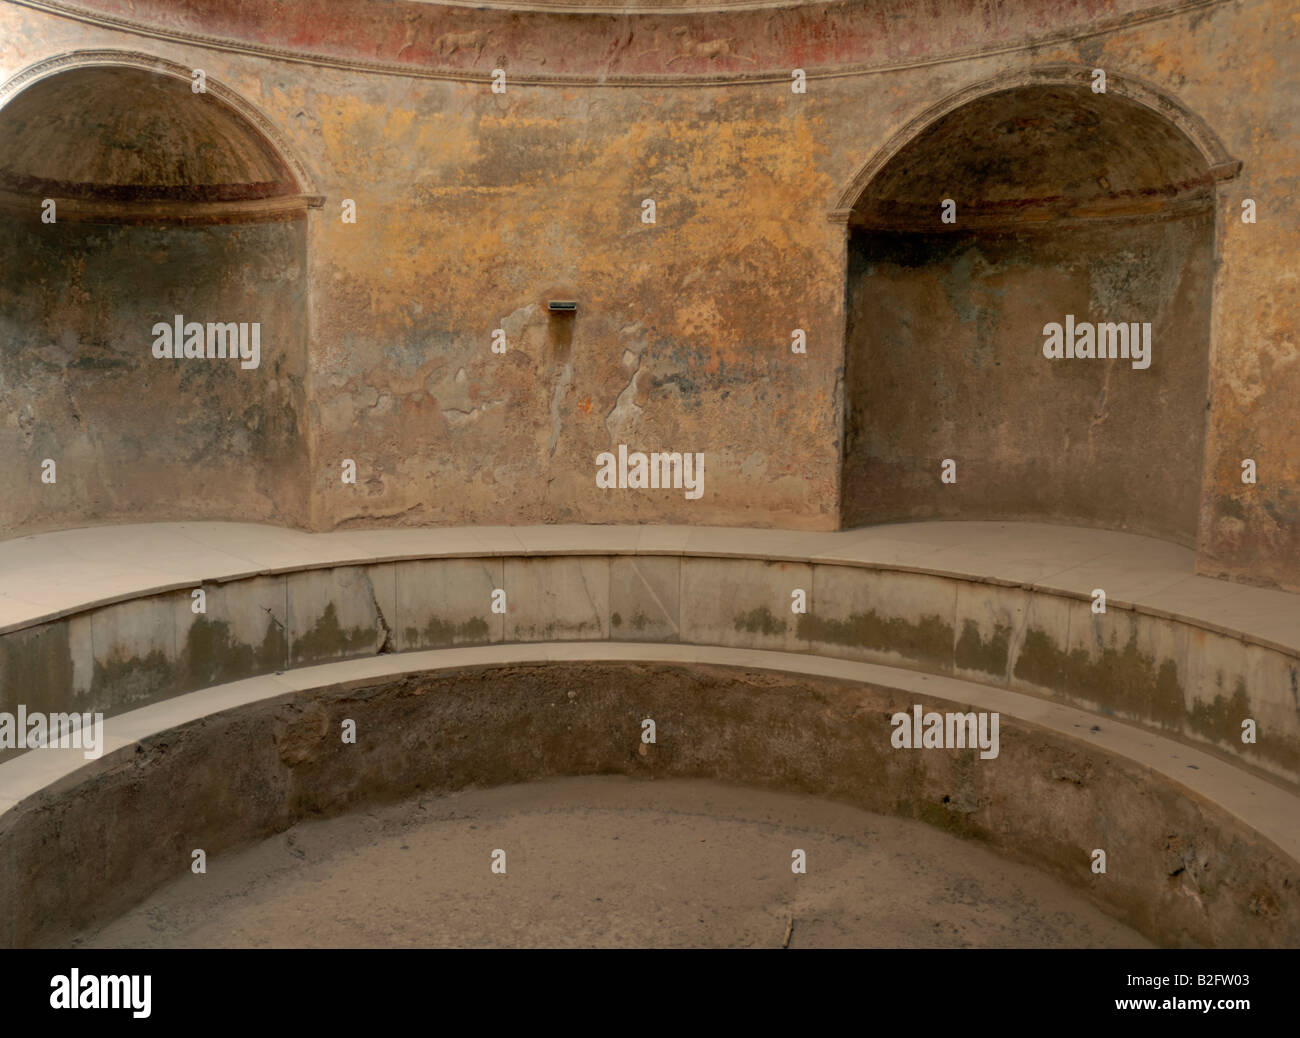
127	199
1069	206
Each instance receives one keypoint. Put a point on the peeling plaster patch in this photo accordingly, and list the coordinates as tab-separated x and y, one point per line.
457	418
514	323
456	397
561	387
625	407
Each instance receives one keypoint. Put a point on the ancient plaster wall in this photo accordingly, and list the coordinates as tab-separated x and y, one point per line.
474	208
945	361
134	437
481	210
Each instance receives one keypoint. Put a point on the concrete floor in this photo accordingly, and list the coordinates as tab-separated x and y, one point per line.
614	862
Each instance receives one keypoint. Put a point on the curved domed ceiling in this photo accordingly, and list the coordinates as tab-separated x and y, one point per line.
1036	151
126	134
609	40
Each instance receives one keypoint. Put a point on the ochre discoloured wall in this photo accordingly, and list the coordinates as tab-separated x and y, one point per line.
1252	94
475	208
682	336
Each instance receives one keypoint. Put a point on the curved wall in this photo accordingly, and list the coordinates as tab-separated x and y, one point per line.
1183	871
1167	672
1066	207
419	37
476	208
153	302
132	434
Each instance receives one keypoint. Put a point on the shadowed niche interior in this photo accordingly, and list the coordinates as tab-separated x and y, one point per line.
128	200
1068	208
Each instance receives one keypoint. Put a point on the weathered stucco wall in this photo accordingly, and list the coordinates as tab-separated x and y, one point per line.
945	361
133	436
474	208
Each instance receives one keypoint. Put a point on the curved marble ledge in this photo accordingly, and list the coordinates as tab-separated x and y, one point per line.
105	619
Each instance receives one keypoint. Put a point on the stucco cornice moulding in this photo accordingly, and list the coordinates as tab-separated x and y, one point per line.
636	6
240	107
1046	218
82	210
781	74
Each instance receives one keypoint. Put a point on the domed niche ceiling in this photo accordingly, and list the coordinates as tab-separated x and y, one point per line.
127	133
1068	208
167	205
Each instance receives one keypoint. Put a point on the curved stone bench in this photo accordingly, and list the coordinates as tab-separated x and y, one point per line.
104	619
1198	852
